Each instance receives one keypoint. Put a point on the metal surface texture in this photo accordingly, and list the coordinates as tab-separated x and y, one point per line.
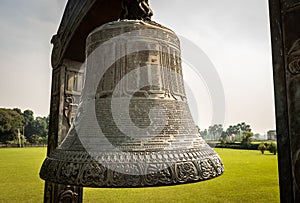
132	131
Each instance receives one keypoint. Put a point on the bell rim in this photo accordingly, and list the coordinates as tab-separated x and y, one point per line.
194	165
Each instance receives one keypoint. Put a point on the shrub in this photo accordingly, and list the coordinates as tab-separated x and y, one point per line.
262	147
273	148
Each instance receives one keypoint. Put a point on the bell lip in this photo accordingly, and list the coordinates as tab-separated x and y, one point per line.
141	186
178	172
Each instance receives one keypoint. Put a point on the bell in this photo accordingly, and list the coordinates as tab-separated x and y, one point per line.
133	127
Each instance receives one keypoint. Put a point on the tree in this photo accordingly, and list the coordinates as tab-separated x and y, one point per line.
216	131
243	127
38	127
13	122
246	138
10	123
204	133
19	140
223	137
41	126
36	139
262	147
28	117
237	130
18	111
232	130
272	148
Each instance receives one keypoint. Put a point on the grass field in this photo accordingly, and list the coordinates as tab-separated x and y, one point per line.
249	177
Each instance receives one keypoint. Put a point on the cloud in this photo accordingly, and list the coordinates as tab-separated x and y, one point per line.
28	23
46	10
233	33
27	27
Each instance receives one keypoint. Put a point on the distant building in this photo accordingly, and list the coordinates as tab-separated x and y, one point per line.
272	135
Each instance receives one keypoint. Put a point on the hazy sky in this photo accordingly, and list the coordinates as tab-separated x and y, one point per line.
233	34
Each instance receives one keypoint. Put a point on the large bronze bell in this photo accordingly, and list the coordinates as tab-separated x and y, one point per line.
133	126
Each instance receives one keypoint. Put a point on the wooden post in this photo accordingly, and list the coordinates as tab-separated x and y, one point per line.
285	30
67	82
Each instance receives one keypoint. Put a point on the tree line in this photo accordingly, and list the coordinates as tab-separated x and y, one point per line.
17	127
241	132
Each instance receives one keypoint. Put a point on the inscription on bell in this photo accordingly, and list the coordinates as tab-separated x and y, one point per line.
133	126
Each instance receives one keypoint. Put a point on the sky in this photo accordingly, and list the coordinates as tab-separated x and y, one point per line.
233	37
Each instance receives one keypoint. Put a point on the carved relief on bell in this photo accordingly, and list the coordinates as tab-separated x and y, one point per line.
133	126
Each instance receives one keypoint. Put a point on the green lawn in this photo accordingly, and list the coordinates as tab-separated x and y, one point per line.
19	180
249	177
